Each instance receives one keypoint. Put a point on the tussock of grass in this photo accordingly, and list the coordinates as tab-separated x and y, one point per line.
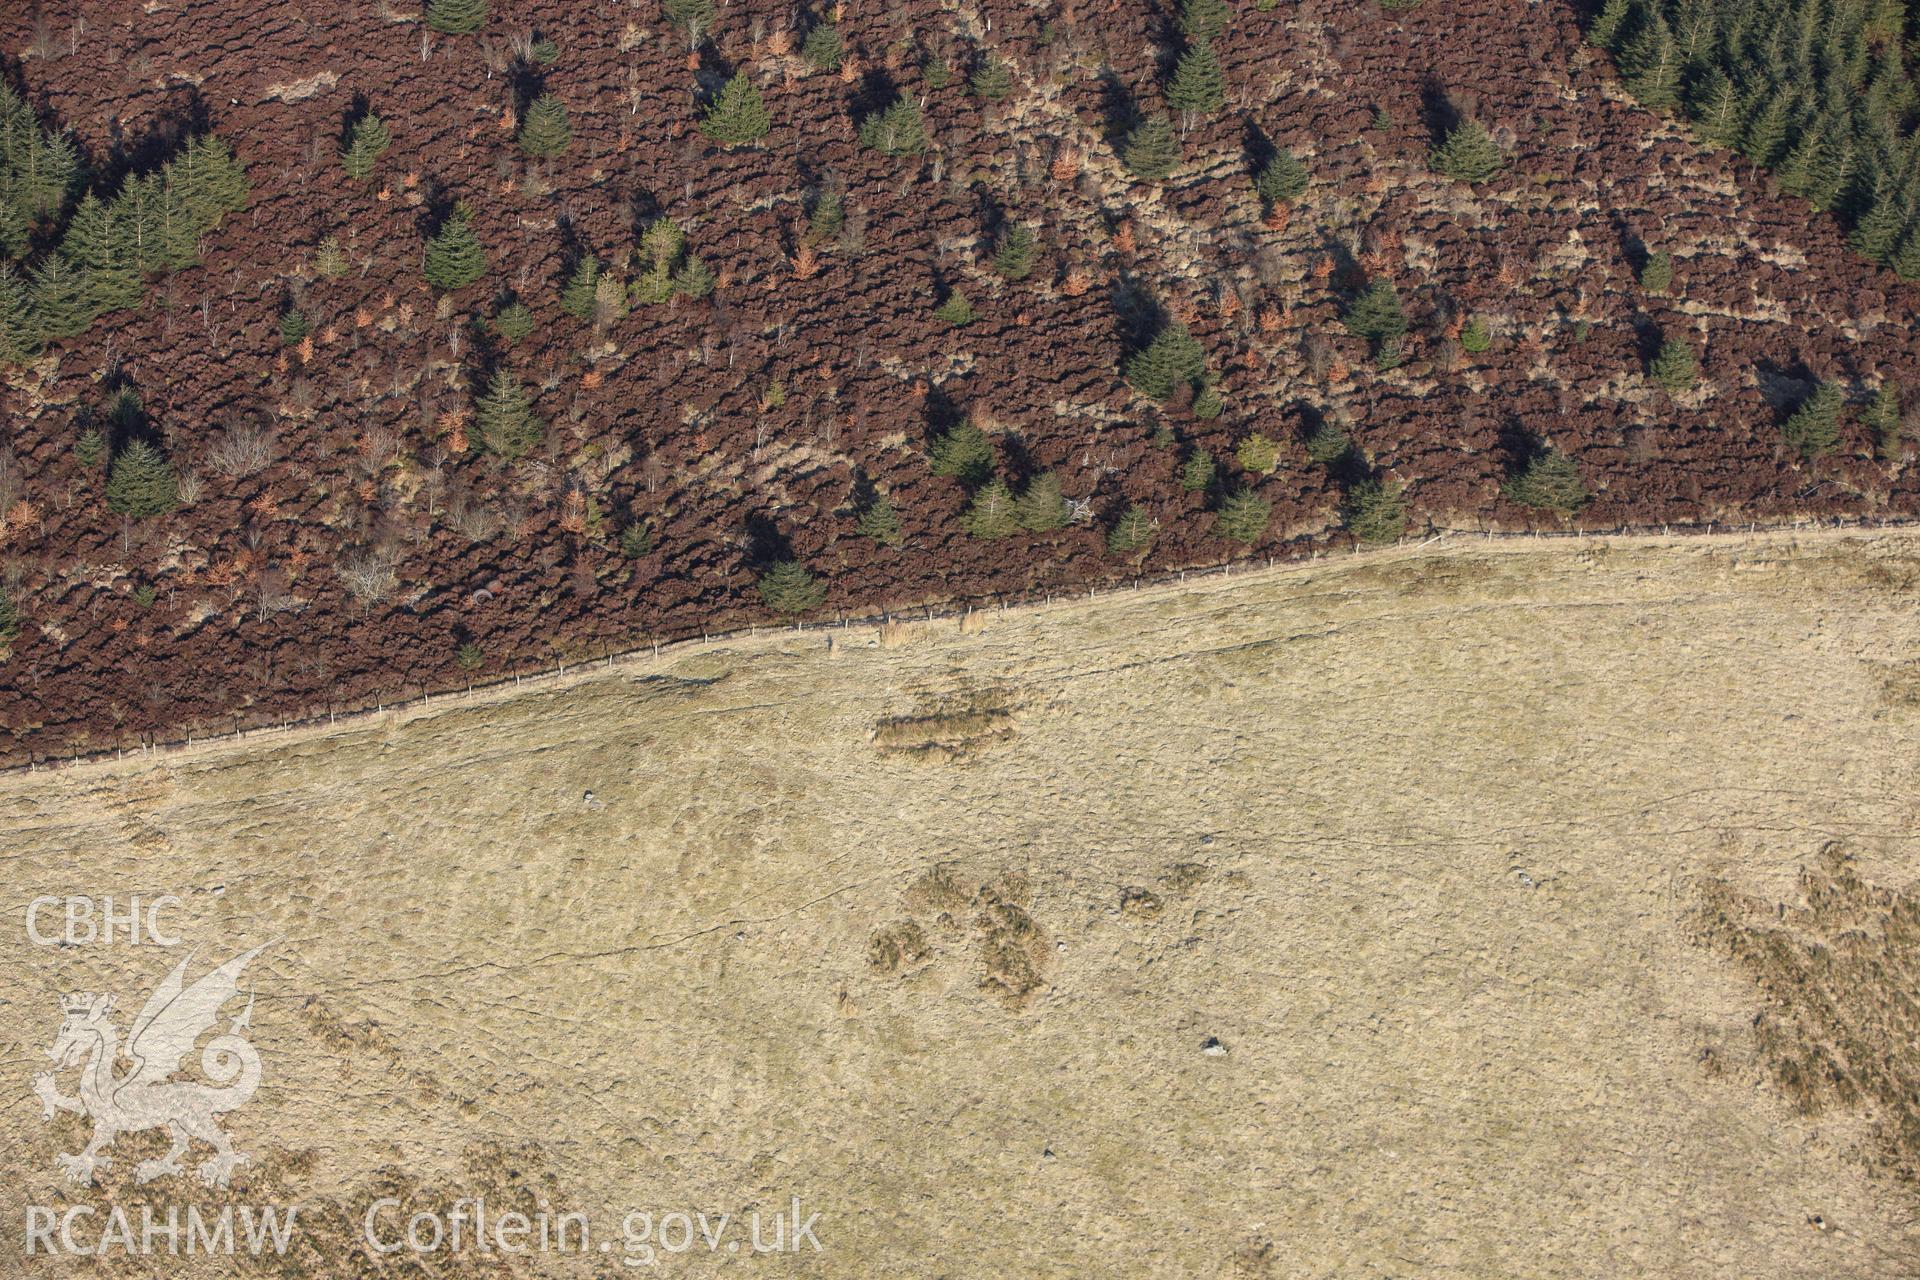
1840	972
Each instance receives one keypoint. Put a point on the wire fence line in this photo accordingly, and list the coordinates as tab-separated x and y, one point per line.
655	645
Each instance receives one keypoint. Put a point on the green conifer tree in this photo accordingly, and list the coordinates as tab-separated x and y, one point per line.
1376	513
175	232
138	208
100	246
881	523
992	513
992	80
609	301
1877	232
505	417
329	259
1550	480
1328	444
514	322
577	296
1651	64
1173	359
1042	508
19	335
1281	179
1244	517
1675	367
1013	254
367	143
1204	19
1814	428
897	130
691	18
964	452
1608	24
1719	113
16	229
455	258
738	115
1257	454
1656	274
1152	151
955	310
1882	417
1376	315
663	242
1905	259
823	50
141	483
829	215
545	131
1133	533
211	181
694	279
1796	171
788	588
46	168
62	298
636	540
1199	86
1830	174
1469	153
456	17
1197	472
1768	130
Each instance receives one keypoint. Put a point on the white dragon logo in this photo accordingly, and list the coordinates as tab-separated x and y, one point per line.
173	1018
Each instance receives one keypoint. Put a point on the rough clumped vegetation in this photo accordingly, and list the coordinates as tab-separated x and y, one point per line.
515	295
1835	972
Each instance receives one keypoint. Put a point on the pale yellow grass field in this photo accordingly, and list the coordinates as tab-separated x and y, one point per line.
1417	839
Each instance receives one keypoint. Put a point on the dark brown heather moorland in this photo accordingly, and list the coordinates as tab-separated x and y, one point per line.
381	549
